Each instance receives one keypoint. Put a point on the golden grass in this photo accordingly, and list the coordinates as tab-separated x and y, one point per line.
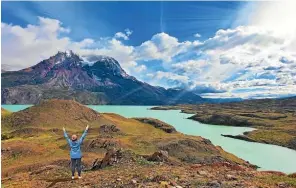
271	136
4	112
274	179
48	147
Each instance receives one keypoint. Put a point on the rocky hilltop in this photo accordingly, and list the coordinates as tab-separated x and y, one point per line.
274	119
67	76
118	151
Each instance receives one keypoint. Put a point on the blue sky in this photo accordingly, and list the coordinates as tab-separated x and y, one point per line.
218	49
103	19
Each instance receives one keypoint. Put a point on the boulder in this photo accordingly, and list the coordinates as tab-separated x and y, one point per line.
214	184
159	156
203	173
103	143
158	124
134	181
111	157
107	129
230	177
282	185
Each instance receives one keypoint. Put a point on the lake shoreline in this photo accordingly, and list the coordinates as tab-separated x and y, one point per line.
243	137
272	118
255	153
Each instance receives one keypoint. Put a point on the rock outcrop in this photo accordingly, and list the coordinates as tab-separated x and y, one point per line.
240	137
111	157
108	129
159	156
158	124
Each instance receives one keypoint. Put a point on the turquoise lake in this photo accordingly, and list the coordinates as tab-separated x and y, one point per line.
268	157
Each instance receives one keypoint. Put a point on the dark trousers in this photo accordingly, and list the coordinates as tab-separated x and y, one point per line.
76	163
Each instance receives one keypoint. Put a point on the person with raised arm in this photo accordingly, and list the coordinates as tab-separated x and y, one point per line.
75	151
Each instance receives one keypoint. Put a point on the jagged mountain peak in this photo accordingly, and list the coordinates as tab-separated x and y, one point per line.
104	65
103	61
92	79
68	56
107	60
67	53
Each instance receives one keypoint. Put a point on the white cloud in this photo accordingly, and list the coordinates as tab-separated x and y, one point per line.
256	92
162	47
140	68
191	66
239	59
273	16
245	61
29	45
26	46
240	62
169	79
169	75
122	35
128	32
197	35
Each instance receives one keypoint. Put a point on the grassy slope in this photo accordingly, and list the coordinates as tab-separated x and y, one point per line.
274	119
36	145
40	127
4	112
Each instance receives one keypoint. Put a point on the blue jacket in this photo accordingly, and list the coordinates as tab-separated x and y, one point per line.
75	152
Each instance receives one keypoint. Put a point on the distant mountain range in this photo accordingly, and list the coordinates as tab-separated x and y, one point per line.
66	76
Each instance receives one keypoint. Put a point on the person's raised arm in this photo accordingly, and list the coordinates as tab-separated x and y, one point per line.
66	136
84	134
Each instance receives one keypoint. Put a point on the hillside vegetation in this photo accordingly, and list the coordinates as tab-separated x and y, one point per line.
35	154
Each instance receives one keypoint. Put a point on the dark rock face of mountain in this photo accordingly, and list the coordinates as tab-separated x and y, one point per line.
67	76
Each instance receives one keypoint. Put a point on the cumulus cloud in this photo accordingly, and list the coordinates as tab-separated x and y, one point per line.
125	35
169	79
244	61
251	51
34	43
121	35
239	62
162	47
191	66
25	46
